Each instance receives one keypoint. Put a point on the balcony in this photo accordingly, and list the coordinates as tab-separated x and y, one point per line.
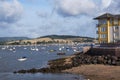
100	25
116	24
116	37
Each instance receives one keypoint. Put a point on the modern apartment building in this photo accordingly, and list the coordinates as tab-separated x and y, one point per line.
108	28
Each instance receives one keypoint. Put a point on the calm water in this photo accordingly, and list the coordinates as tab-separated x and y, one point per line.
35	59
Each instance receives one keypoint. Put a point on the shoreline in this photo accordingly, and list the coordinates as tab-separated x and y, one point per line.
96	72
90	67
88	71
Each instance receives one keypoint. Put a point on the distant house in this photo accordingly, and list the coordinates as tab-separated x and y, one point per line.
108	28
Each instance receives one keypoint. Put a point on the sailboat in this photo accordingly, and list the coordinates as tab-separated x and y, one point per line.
61	51
34	48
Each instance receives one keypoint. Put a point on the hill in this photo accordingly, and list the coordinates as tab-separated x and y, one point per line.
6	39
62	39
63	36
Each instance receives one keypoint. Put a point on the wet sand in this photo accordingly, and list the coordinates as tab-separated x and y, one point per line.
96	72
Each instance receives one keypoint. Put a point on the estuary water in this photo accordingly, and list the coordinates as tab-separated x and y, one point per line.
36	57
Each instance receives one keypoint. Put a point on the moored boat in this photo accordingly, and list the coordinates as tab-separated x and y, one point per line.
22	59
61	53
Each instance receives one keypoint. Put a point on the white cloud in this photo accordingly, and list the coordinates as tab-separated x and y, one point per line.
83	7
75	7
10	11
73	24
114	7
106	3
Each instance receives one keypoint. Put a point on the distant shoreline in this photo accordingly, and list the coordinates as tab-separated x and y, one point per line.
49	44
51	39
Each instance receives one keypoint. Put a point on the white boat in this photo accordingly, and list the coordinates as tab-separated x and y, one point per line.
32	49
10	49
25	48
60	49
22	59
3	48
36	49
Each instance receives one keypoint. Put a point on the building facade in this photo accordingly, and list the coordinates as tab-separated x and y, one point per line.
108	28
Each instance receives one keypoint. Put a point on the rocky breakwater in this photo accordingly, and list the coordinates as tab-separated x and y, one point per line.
58	65
88	59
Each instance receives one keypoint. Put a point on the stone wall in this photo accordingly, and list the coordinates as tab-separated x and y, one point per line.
104	51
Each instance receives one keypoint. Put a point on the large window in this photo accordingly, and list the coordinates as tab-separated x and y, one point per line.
103	36
103	29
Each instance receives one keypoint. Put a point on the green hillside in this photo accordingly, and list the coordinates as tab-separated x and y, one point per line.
63	36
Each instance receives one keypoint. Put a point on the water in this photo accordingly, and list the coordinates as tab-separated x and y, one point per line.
35	59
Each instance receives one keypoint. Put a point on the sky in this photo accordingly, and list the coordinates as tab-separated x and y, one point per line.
35	18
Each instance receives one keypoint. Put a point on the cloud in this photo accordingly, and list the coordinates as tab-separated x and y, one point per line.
42	14
67	17
106	3
82	7
10	11
75	7
114	7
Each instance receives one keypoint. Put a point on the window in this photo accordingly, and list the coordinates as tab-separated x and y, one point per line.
103	36
103	41
103	21
116	28
115	21
103	29
116	35
111	21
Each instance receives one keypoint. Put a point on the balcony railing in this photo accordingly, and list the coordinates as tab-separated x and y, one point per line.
116	24
116	37
98	25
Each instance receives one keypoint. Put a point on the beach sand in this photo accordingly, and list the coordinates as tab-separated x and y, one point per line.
96	72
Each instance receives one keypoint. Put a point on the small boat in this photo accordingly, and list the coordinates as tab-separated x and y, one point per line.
37	49
61	53
3	48
10	49
60	49
52	50
25	48
22	59
67	49
34	49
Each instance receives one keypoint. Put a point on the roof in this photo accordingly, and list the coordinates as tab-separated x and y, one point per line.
108	15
